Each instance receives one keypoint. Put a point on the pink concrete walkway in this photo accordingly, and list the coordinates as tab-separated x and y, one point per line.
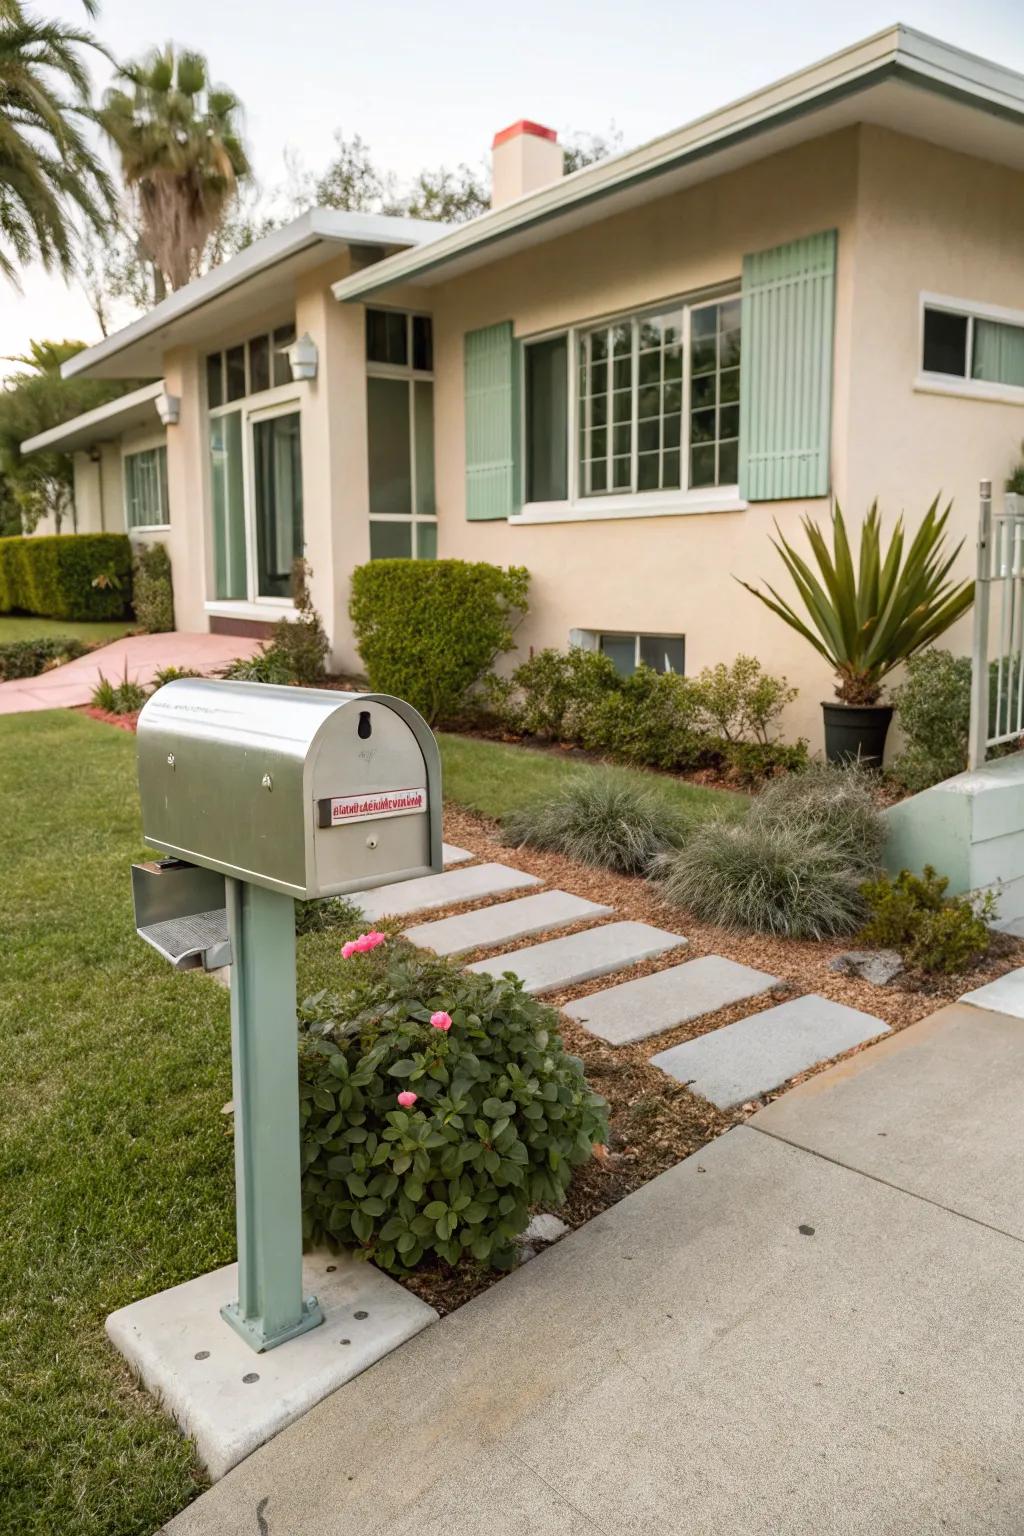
141	655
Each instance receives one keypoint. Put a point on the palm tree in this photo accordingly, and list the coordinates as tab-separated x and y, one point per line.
181	153
49	176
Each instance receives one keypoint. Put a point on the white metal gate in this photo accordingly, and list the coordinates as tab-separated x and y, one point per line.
997	657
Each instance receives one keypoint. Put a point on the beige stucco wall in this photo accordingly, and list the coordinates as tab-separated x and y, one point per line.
670	574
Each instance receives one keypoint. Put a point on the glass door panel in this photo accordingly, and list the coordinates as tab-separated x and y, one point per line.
228	490
277	483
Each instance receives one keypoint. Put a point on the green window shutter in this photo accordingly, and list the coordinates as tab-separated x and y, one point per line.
492	423
786	369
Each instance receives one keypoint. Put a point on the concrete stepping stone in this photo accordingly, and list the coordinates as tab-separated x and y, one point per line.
1004	995
454	855
649	1005
580	956
503	923
743	1060
472	884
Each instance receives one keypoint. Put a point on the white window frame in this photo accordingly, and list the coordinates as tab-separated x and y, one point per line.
597	635
621	504
963	386
128	450
413	376
283	400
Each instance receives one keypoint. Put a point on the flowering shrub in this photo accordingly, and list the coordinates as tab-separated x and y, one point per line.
437	1108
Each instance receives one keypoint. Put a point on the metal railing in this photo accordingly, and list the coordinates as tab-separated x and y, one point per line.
997	683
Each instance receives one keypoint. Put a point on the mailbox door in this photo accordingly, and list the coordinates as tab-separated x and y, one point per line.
371	806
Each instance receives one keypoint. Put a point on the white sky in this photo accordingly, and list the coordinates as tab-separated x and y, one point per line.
427	82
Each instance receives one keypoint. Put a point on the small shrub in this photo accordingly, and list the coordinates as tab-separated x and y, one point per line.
752	762
302	643
836	803
1015	480
933	932
780	878
325	914
266	666
741	703
933	709
652	720
27	658
601	821
172	675
153	595
430	630
552	692
77	576
499	1116
123	698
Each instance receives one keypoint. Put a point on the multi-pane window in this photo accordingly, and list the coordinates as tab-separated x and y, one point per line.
145	488
400	435
249	368
972	346
663	653
655	400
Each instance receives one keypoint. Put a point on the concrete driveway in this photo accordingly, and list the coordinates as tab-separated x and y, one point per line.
141	656
813	1327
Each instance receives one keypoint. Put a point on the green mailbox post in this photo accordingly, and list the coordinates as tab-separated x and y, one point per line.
259	796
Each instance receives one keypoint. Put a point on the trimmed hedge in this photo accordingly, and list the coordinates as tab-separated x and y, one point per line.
429	630
77	576
153	593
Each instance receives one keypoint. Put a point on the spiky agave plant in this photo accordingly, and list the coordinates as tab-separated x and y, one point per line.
866	619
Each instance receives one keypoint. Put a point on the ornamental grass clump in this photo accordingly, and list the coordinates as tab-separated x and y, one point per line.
602	821
836	802
438	1107
763	876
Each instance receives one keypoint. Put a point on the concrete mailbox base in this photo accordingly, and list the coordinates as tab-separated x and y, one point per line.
230	1400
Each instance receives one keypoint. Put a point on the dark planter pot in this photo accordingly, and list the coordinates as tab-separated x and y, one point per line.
856	731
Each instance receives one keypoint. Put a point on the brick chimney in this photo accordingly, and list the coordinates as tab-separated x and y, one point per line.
524	158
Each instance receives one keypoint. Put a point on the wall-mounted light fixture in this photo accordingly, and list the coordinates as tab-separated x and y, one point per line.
168	408
303	357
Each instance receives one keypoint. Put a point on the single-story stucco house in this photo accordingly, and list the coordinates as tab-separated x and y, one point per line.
621	379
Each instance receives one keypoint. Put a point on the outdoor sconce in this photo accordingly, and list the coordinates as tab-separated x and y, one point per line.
168	408
303	357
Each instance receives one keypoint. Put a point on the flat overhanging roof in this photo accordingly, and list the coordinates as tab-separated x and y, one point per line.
106	422
900	79
259	282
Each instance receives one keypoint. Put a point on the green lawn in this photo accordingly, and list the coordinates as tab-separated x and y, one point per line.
18	626
493	778
115	1161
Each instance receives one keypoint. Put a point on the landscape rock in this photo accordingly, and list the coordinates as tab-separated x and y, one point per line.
544	1228
879	966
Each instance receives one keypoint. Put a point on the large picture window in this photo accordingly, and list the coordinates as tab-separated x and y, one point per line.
145	488
655	400
400	435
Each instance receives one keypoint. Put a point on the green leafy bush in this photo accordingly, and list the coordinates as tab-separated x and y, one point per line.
552	692
77	576
780	877
933	708
172	675
123	698
266	666
651	720
27	658
836	802
501	1113
430	630
932	932
601	821
741	703
152	592
324	914
301	643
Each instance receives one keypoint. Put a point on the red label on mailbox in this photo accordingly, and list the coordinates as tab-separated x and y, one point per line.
385	802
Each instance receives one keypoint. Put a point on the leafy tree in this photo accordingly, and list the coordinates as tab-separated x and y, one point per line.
181	154
49	175
37	398
587	148
449	197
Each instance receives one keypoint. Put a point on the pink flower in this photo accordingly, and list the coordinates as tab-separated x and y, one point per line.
364	942
441	1020
407	1099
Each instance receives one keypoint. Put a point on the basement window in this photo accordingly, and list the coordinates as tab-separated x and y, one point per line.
662	653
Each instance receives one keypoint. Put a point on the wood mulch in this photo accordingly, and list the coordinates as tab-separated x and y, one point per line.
123	722
654	1121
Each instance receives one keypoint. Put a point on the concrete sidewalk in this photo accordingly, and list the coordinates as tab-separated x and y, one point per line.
139	657
813	1327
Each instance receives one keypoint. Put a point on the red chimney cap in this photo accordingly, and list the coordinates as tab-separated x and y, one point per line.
524	126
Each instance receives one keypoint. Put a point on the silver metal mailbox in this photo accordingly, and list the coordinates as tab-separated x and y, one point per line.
303	791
